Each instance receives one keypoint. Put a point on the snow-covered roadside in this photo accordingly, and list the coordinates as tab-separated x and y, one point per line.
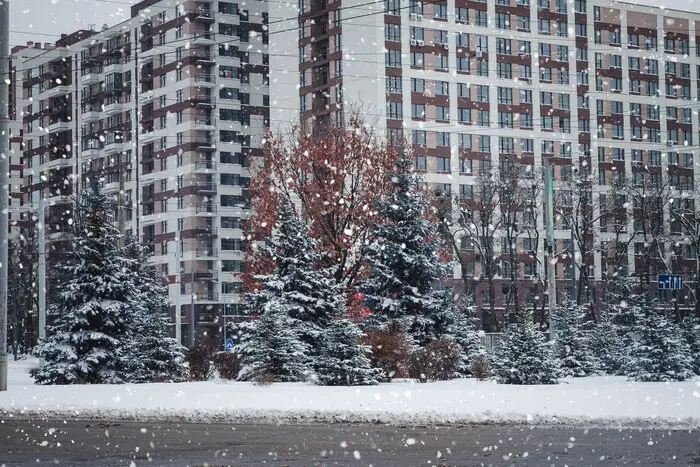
601	401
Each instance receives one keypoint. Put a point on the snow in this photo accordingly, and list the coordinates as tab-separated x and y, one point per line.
590	401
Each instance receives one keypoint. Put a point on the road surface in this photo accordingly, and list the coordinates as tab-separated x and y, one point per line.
90	443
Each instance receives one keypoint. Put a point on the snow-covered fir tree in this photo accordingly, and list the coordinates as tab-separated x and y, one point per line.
463	331
403	262
308	290
152	354
297	294
343	360
572	346
274	350
523	355
690	328
659	353
90	321
607	344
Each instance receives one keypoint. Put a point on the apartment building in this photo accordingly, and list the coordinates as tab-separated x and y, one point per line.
597	87
18	209
164	110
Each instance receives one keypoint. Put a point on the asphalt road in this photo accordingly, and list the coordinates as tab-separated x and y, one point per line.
83	443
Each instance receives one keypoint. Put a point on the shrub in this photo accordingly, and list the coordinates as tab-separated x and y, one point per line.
438	361
199	361
480	367
227	364
389	352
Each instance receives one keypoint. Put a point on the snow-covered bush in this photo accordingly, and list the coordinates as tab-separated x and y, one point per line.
227	364
437	361
480	367
199	362
390	353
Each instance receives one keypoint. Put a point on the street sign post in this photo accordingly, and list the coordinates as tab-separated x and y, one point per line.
229	345
670	281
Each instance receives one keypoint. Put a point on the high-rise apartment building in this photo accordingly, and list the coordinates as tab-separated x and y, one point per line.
164	111
599	90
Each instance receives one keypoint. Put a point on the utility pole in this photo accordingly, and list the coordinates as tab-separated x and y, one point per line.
551	263
192	311
178	314
42	266
4	179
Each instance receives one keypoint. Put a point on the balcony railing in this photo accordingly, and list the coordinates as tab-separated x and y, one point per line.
205	165
208	208
205	186
206	252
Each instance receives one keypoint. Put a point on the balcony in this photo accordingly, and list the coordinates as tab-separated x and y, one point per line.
204	166
205	231
115	107
206	145
204	80
146	97
147	56
91	149
202	187
57	91
60	163
90	116
204	58
204	102
111	187
211	274
205	124
203	38
113	68
205	209
59	126
204	15
148	137
90	78
206	253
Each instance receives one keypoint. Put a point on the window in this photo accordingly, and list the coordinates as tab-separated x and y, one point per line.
482	117
417	85
441	61
416	33
503	46
465	141
462	14
524	47
418	137
417	59
465	166
418	111
420	163
392	32
393	84
484	143
394	110
505	95
439	11
392	58
482	93
442	113
480	18
543	26
464	115
505	120
525	96
523	23
443	164
503	20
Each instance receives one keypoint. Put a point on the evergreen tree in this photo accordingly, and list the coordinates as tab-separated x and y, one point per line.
89	322
523	355
152	354
343	360
691	332
464	331
309	293
607	344
572	346
274	351
660	352
403	262
300	299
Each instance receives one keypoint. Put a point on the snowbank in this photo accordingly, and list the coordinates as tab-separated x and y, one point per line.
600	401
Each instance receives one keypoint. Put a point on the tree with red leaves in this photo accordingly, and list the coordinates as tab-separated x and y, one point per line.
336	178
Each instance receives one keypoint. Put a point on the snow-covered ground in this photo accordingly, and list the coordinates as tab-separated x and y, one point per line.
609	401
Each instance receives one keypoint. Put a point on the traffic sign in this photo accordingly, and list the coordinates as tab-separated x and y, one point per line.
229	344
670	281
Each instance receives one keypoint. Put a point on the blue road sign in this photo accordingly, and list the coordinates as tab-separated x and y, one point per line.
229	344
670	281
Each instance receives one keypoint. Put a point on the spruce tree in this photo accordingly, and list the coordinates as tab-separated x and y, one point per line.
297	295
152	354
691	332
274	351
464	331
343	360
403	262
90	321
607	344
572	346
660	353
523	355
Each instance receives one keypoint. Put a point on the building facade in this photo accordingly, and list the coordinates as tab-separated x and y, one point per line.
164	111
605	93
